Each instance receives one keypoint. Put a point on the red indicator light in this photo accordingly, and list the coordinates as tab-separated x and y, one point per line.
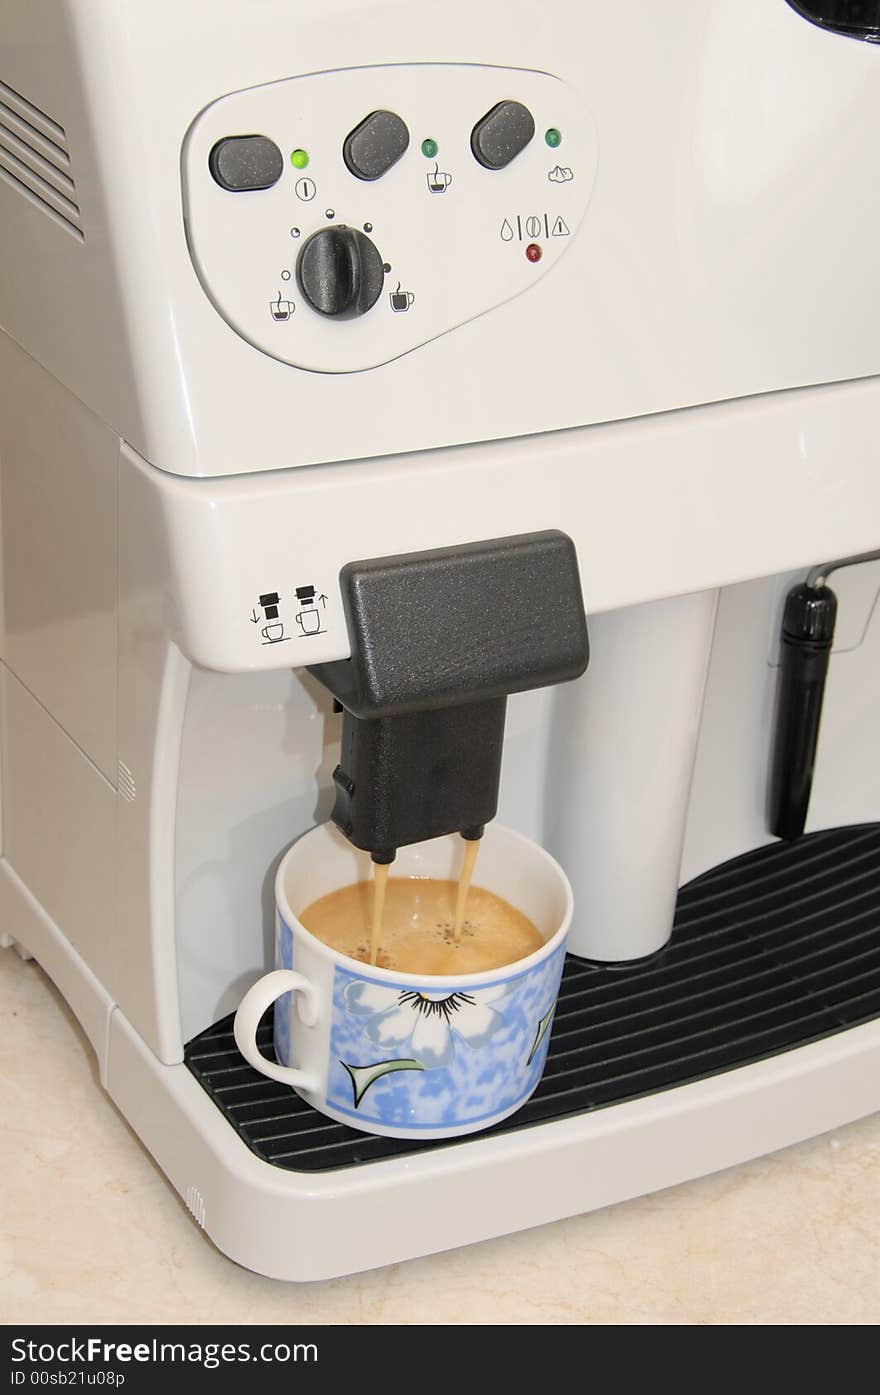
533	252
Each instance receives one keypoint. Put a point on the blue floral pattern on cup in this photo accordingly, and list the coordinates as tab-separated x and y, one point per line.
428	1023
428	1058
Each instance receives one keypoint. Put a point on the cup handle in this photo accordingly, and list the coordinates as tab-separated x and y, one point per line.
254	1003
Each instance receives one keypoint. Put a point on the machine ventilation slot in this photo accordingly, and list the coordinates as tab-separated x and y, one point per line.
195	1205
35	160
775	949
125	782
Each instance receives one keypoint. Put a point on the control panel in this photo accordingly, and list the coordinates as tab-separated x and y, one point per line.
340	220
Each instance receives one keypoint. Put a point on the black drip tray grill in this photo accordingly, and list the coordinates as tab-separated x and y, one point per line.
772	950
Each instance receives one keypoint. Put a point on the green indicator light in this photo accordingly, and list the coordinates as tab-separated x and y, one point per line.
429	148
553	137
299	159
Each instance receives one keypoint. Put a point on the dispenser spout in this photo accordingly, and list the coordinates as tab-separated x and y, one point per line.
438	641
417	775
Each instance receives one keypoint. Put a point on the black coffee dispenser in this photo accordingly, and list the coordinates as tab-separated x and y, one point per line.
438	641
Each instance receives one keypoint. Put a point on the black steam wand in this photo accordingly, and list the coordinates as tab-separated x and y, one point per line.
808	624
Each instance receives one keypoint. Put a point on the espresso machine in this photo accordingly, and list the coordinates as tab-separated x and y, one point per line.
287	288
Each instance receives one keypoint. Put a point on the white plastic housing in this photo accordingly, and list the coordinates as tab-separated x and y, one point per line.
732	216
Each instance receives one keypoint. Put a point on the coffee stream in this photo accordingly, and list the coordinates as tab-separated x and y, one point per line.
471	848
421	925
380	882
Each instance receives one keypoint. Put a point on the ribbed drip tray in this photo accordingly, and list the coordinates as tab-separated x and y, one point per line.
770	951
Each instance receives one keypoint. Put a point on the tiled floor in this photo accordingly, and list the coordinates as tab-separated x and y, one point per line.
91	1232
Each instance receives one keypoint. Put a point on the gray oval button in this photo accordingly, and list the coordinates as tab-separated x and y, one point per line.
375	145
502	134
246	162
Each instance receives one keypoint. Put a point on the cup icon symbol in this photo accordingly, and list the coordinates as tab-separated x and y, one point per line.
438	180
401	300
273	632
309	621
281	310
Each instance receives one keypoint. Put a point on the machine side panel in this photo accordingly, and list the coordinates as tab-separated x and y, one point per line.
153	681
60	296
59	553
2	685
35	935
60	829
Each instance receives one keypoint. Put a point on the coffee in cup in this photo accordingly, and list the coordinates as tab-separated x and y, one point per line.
418	927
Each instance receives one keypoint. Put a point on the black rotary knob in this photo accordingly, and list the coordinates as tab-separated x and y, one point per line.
340	272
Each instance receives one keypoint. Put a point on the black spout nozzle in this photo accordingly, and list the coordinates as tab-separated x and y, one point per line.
419	775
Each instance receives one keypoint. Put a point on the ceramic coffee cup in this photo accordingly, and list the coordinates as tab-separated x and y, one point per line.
398	1054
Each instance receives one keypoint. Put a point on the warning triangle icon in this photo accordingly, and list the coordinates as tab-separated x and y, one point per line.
560	228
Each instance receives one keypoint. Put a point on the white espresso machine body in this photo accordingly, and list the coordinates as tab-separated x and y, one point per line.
698	223
603	276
